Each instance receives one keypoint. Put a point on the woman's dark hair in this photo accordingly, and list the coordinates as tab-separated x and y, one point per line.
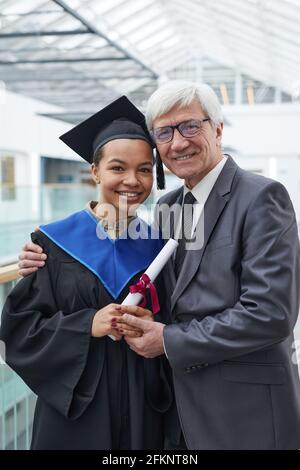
97	156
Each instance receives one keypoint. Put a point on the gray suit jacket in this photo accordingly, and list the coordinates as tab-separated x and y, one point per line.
233	310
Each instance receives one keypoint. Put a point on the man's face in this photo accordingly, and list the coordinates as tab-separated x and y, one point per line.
190	158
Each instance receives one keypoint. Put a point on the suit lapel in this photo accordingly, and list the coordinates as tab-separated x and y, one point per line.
171	224
213	208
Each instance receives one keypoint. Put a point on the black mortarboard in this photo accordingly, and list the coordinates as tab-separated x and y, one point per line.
119	120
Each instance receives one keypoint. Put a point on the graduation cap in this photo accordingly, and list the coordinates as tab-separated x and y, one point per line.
119	120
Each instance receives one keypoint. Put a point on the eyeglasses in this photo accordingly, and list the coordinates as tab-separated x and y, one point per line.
162	135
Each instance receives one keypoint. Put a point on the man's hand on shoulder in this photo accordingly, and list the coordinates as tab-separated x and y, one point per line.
30	259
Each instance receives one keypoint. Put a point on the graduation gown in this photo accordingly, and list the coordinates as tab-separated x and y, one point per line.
93	393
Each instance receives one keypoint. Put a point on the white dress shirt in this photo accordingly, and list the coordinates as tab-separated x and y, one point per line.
201	192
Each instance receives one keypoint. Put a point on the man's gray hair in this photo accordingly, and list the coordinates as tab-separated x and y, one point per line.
182	93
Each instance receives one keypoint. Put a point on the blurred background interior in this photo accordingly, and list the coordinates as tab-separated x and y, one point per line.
61	61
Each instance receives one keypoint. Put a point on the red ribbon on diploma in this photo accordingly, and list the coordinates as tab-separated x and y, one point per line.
140	288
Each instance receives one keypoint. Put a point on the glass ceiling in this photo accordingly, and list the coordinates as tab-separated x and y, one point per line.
80	54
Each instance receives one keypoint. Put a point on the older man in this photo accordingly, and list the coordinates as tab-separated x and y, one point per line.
234	299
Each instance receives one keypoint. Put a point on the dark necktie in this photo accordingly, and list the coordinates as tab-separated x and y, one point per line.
186	230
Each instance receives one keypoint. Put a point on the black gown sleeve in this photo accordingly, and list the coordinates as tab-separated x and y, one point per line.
46	347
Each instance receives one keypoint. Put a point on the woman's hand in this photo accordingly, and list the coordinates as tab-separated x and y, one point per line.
105	321
30	259
129	330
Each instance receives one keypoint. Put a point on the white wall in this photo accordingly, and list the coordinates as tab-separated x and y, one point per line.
267	138
22	129
271	130
26	136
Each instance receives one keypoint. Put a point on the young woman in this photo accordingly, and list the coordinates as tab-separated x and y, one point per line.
93	392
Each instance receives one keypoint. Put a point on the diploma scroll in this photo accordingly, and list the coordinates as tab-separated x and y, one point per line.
152	272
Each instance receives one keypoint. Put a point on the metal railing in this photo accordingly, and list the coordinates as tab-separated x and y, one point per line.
30	206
